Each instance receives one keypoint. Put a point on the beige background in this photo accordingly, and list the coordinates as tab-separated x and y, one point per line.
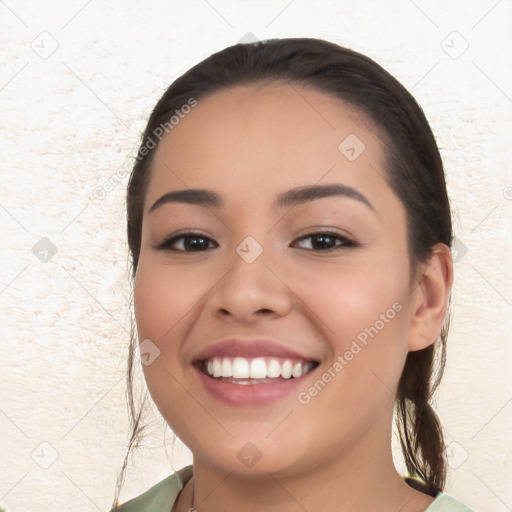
77	81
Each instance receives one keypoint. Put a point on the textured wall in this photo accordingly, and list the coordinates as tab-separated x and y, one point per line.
77	81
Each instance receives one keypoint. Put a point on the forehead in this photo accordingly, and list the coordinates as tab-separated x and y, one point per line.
267	136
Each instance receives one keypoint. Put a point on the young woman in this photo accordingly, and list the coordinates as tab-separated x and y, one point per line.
290	234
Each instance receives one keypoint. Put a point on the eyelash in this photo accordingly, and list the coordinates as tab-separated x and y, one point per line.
166	244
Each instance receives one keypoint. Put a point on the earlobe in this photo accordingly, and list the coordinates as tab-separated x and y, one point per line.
431	298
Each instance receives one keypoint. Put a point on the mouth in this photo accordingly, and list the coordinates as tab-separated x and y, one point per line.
251	372
255	370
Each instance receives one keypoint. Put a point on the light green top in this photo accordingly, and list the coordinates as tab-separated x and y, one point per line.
161	497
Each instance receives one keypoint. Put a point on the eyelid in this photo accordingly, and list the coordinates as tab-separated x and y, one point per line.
186	233
347	240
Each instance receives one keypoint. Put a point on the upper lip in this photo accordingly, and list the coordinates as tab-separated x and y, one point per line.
249	349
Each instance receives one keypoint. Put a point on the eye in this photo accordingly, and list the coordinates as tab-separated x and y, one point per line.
187	242
197	242
324	241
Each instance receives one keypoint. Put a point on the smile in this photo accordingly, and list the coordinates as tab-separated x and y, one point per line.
251	372
258	370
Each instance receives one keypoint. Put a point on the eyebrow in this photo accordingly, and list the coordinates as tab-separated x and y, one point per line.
290	198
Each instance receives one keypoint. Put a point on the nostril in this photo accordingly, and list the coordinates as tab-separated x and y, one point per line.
226	312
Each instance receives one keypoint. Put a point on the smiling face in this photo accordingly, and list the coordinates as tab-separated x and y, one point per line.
258	277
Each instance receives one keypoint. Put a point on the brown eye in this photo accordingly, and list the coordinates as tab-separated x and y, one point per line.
325	241
187	242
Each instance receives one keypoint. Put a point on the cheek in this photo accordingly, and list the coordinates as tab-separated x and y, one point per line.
361	309
362	313
164	302
162	298
349	299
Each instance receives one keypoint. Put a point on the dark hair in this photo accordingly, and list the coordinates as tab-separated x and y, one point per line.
414	171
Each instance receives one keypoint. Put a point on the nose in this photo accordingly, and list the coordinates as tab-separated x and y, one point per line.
250	291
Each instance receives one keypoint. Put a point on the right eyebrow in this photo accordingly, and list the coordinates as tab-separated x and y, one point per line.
190	196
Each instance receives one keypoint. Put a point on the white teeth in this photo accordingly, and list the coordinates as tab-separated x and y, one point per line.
307	368
297	370
273	369
217	368
227	368
286	369
240	368
257	368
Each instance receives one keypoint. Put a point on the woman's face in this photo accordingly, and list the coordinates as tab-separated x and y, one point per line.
274	280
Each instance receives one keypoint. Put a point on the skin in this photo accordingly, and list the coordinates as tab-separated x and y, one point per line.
249	144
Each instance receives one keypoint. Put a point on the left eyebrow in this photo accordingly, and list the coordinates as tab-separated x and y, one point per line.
302	195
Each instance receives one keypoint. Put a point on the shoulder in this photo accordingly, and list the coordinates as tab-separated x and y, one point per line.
445	503
160	497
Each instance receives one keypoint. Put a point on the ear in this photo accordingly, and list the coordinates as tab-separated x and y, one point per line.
431	295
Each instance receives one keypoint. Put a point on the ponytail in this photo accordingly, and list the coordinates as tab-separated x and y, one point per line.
421	435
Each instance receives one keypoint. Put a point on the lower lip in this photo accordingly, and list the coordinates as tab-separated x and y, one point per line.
250	394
